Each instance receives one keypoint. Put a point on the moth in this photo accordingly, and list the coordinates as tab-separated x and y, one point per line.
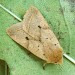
34	34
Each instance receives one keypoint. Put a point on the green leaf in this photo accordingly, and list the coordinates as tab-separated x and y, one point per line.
62	23
69	16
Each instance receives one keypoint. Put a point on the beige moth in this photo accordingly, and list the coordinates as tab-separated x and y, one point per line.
34	34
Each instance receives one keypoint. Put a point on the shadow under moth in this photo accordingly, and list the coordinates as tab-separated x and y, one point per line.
34	34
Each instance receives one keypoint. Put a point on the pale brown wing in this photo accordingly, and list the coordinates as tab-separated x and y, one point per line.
18	34
52	48
33	21
37	48
34	34
35	25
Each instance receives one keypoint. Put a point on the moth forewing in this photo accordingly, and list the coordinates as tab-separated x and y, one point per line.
34	34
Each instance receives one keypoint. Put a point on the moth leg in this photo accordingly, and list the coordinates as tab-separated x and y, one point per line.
44	65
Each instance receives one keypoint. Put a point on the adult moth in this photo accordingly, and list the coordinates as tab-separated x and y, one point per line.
34	34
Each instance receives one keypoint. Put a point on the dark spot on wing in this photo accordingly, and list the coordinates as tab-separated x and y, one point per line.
46	38
27	38
40	40
55	62
55	44
43	54
39	26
